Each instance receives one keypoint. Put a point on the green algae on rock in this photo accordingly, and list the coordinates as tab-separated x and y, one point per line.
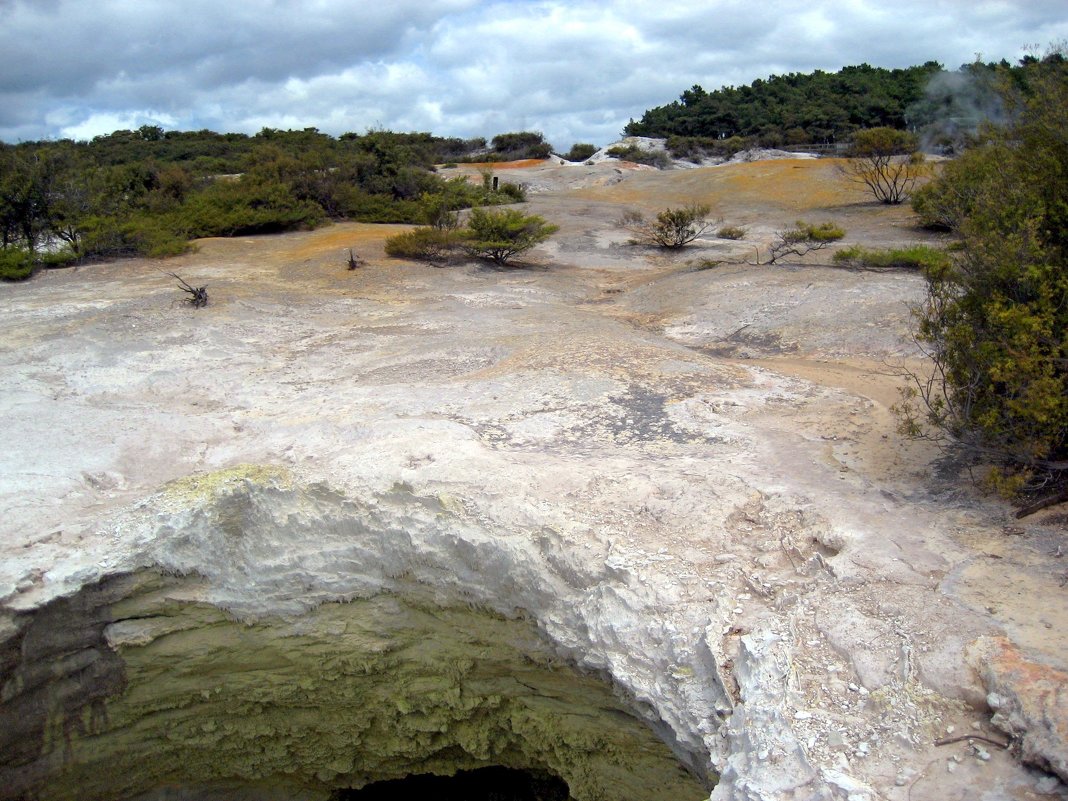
348	694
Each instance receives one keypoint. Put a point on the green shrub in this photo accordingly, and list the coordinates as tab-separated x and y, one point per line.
949	199
425	244
521	145
512	193
638	155
822	232
242	207
580	151
143	235
366	207
505	233
696	148
56	259
731	232
994	321
16	264
917	257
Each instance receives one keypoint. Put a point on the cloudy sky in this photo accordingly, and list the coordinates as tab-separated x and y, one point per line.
576	71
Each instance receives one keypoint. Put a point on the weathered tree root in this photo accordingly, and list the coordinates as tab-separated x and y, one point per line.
198	296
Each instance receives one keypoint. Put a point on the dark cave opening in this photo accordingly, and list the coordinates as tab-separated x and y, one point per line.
482	784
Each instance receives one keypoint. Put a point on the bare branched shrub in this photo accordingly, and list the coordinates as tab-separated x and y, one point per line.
672	228
887	162
803	238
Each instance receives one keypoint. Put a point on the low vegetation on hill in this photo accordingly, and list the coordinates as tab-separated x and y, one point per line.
148	192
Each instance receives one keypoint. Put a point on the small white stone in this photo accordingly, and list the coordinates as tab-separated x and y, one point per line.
763	754
982	754
802	715
994	701
950	729
904	776
723	558
853	687
738	610
950	767
1047	784
976	725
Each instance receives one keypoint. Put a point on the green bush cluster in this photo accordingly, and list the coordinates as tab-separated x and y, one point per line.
503	234
916	257
731	232
697	148
426	244
638	155
817	232
497	235
995	319
136	235
580	151
521	145
243	207
16	264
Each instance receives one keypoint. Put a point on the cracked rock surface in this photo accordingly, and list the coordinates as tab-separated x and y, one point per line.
685	481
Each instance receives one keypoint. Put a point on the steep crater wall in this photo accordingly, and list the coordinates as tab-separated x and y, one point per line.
133	688
275	641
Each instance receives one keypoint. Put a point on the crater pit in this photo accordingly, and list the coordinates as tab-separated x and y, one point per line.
142	686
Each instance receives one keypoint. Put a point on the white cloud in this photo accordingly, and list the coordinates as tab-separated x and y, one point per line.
576	70
98	123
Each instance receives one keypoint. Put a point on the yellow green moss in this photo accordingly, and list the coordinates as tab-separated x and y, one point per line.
349	694
208	486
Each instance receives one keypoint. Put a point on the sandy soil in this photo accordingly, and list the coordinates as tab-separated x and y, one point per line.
806	354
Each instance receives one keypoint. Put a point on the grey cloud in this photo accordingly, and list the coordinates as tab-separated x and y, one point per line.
576	70
75	45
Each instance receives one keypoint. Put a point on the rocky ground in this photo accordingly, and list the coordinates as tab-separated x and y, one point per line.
681	466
